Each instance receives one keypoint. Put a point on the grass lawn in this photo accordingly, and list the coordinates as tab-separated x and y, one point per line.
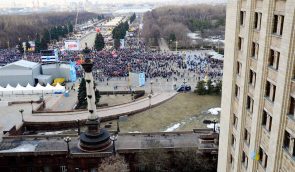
187	109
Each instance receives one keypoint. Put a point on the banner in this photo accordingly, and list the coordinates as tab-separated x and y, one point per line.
122	43
73	75
72	45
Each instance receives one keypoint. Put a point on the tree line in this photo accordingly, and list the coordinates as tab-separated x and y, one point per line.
119	32
22	28
177	21
132	18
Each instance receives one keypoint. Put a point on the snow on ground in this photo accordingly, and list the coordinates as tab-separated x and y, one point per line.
173	127
214	111
217	126
26	147
52	132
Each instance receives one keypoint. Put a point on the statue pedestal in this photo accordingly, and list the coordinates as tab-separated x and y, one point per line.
94	139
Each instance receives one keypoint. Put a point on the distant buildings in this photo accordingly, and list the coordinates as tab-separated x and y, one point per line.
258	99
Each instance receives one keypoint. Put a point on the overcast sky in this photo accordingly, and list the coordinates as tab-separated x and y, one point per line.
7	2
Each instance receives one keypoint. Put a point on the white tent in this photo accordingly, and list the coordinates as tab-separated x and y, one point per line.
49	89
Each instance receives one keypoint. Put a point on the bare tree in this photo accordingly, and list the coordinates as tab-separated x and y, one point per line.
113	164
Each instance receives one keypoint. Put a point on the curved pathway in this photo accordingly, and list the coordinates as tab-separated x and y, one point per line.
108	112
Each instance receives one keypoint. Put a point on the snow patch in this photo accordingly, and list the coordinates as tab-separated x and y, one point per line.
217	126
172	128
22	148
214	111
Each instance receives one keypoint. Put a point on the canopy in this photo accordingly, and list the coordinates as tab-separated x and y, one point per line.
31	90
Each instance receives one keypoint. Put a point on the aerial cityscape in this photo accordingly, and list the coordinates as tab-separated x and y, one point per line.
147	86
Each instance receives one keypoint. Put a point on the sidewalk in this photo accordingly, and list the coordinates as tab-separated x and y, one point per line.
106	112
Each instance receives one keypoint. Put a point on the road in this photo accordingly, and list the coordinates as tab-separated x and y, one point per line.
163	45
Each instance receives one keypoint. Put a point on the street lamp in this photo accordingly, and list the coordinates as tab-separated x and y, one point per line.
78	126
151	87
32	105
21	112
67	140
210	122
150	100
113	139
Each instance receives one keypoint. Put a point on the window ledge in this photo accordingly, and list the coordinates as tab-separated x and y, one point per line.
269	100
256	30
276	35
272	68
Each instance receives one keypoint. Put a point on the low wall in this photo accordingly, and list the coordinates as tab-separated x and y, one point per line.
73	124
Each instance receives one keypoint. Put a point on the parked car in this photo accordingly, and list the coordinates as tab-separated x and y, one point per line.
183	88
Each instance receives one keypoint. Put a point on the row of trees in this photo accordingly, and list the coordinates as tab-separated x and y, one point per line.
180	20
208	88
99	43
119	32
157	160
100	17
22	28
54	33
132	18
82	95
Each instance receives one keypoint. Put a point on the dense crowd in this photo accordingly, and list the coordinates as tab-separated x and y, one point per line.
136	57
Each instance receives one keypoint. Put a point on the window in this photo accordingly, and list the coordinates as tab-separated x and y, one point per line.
237	91
282	25
231	160
233	141
266	121
250	103
275	24
262	158
239	68
289	143
242	17
270	91
240	42
62	168
235	121
257	20
287	140
246	136
244	160
252	78
254	50
274	58
292	107
278	24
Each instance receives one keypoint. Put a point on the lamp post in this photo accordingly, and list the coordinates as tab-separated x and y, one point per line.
67	140
21	112
78	126
151	87
114	139
32	105
150	100
210	122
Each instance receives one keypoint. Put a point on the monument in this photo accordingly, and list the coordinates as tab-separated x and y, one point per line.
95	139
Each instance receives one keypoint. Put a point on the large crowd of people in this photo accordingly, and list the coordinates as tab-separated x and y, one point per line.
136	57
